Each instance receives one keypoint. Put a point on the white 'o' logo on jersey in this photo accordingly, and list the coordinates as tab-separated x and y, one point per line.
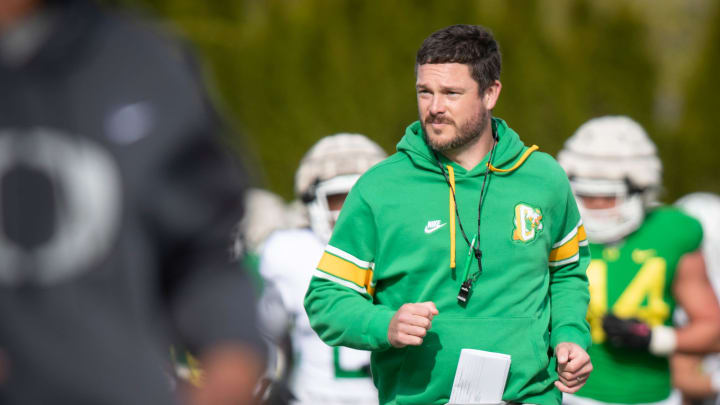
84	183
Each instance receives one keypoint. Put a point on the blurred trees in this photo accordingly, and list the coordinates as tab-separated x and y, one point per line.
292	71
692	154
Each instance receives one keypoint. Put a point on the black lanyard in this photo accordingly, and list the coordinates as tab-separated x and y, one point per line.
466	287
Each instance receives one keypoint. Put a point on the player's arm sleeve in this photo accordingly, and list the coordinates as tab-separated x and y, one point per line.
568	261
339	301
693	235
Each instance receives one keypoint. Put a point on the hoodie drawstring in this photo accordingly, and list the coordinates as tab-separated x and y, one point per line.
451	175
517	164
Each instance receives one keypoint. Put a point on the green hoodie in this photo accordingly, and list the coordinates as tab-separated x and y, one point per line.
394	243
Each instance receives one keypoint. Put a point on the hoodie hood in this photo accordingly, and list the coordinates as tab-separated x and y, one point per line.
508	151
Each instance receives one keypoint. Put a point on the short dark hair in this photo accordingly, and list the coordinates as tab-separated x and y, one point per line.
471	45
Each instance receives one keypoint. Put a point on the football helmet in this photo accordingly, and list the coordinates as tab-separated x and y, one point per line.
331	167
612	156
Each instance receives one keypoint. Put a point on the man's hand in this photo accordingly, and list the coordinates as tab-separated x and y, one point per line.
573	367
410	324
230	375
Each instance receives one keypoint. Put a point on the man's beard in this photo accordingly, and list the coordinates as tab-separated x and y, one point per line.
467	133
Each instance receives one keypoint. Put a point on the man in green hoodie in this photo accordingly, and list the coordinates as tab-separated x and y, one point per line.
388	280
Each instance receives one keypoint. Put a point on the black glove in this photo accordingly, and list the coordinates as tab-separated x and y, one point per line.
627	333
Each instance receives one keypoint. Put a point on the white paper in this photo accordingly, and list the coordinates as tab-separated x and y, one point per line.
480	378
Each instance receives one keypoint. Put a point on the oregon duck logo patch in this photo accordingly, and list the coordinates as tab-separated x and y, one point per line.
528	223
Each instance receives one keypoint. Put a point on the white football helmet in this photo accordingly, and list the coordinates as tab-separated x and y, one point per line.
331	167
612	156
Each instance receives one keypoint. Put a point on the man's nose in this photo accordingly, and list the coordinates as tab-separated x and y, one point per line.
438	105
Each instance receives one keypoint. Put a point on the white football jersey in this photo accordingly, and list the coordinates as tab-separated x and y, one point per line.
322	375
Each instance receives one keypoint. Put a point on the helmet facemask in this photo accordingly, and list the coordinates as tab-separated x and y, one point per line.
609	223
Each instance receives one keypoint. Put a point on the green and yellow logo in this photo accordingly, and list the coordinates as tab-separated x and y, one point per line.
528	223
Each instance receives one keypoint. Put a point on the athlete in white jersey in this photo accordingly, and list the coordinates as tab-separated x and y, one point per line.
698	377
321	375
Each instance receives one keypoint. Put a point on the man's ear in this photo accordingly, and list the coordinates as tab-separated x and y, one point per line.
491	94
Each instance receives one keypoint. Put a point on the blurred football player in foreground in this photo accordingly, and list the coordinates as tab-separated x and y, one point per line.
117	203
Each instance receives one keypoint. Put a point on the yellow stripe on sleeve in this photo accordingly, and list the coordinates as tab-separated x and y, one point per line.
581	233
566	251
345	270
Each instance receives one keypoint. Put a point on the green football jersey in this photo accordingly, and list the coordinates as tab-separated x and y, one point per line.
633	279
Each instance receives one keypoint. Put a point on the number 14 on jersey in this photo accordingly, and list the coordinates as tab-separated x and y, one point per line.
641	299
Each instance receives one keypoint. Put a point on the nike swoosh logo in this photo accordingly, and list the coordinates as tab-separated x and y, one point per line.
434	227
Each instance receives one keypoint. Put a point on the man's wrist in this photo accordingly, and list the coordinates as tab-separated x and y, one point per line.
569	335
663	340
377	329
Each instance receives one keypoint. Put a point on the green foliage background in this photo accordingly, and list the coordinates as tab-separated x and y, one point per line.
291	71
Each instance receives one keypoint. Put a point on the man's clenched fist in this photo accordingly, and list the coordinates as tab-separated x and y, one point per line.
573	367
410	324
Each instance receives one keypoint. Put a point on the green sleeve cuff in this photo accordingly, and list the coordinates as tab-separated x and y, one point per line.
572	335
377	329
